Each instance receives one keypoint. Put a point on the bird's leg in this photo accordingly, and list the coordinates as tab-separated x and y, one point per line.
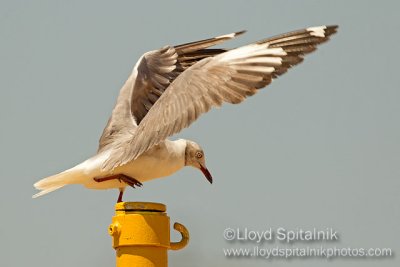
121	177
107	178
121	192
130	181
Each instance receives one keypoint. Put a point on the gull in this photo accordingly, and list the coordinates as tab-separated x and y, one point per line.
167	91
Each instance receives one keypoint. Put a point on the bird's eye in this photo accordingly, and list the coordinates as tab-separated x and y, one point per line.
199	155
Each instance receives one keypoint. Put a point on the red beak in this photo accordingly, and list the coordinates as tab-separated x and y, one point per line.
206	173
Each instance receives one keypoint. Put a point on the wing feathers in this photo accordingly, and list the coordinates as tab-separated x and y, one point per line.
153	73
222	77
193	46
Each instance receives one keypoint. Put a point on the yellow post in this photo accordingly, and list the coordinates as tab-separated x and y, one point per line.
141	234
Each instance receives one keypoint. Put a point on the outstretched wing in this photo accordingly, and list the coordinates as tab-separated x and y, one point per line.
228	77
152	74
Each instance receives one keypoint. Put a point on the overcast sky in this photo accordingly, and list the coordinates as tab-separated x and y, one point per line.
317	148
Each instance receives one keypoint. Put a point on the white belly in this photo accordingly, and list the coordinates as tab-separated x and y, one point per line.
158	162
146	168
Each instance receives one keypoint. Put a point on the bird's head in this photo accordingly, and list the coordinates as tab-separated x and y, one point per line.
194	156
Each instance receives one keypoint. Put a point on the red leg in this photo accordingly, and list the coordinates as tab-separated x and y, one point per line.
107	178
121	177
130	181
121	192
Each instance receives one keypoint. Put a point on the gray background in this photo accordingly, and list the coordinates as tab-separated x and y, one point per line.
318	148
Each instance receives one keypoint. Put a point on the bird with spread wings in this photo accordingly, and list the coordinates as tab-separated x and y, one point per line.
167	91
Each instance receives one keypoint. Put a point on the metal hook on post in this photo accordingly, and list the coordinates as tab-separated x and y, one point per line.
185	237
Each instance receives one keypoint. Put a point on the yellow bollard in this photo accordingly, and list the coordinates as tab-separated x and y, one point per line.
141	234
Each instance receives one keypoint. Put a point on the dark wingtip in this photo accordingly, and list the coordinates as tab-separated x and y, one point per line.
331	29
332	26
240	32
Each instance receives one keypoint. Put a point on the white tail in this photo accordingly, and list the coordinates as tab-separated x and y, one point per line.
55	182
48	190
